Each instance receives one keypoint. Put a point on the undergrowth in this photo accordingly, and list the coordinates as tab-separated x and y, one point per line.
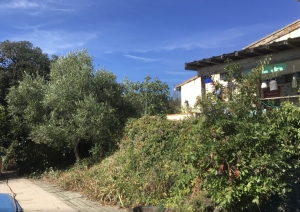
188	165
154	165
232	158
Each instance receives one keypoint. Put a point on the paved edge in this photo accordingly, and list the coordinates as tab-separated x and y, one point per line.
76	200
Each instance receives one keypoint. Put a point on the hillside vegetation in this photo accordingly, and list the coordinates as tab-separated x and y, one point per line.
233	157
191	166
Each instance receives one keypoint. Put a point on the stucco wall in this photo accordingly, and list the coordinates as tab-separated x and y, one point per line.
190	91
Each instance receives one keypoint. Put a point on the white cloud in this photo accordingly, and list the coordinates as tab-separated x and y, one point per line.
35	8
19	4
132	43
140	58
213	38
57	41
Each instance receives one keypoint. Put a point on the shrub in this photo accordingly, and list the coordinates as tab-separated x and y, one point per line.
154	165
9	163
28	157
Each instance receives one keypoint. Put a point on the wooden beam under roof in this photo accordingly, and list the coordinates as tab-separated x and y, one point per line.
271	47
276	48
200	63
239	54
213	61
254	51
230	56
290	44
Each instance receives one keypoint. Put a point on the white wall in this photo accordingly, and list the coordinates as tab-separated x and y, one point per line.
190	91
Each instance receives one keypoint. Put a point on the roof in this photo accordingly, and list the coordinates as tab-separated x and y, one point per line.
185	82
265	49
275	35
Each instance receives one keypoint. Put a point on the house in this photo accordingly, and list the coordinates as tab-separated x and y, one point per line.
189	89
284	48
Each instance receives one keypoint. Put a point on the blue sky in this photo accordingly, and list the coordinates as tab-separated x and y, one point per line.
136	38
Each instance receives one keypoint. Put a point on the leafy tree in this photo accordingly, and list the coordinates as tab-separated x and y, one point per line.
147	97
4	128
231	159
25	103
77	105
174	103
17	58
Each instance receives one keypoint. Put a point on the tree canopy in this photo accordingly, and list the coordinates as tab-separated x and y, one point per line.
68	105
17	58
76	105
147	97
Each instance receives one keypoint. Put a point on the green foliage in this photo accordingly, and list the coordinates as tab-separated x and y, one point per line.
251	161
174	103
152	161
27	157
234	158
147	169
243	94
247	157
4	129
25	105
17	58
9	163
78	105
147	97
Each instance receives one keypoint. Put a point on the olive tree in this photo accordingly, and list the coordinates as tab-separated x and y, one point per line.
77	105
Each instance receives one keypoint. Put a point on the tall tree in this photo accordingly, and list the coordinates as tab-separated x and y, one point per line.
25	103
148	97
17	58
4	127
76	105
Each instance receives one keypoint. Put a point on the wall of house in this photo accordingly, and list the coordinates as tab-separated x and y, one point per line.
190	91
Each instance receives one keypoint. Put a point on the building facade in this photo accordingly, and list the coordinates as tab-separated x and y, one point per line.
283	46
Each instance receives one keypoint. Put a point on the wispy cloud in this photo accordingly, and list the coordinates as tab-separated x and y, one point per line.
20	4
62	10
57	41
34	8
213	38
132	44
37	27
140	58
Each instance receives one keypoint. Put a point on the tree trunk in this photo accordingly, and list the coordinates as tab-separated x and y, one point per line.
76	150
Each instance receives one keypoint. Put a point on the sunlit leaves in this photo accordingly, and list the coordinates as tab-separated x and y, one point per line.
149	97
78	104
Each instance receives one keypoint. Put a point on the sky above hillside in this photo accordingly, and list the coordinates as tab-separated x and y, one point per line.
136	38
